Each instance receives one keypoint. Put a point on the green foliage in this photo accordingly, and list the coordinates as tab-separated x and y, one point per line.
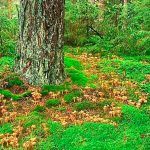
33	118
6	128
54	88
73	63
52	103
39	108
68	98
15	97
133	126
84	105
88	136
145	87
14	79
79	16
110	28
8	32
6	62
56	131
77	77
132	69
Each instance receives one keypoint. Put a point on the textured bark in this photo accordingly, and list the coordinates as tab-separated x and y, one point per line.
41	58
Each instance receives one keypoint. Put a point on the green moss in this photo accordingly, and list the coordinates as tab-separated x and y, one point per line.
6	128
6	62
84	105
14	79
68	98
54	88
52	103
73	63
77	77
132	133
103	103
39	108
33	118
15	97
132	69
145	87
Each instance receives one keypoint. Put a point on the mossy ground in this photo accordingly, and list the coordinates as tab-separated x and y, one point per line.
71	116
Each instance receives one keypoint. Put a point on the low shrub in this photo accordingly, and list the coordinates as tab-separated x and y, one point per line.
68	98
15	97
52	103
54	88
84	105
6	128
77	77
39	108
14	79
73	63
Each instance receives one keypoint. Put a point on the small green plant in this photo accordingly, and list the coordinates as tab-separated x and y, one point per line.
84	105
73	63
6	128
39	108
103	103
15	97
54	88
14	79
68	98
52	103
6	62
77	77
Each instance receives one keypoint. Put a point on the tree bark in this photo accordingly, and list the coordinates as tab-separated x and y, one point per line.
40	49
9	8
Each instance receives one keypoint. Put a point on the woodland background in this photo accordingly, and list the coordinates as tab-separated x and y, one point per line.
103	103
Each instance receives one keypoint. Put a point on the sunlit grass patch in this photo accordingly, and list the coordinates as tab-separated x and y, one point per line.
54	88
77	77
6	62
131	69
84	105
68	98
6	128
52	103
73	63
15	97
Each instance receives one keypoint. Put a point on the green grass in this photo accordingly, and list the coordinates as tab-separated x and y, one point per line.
54	88
6	128
127	136
73	63
52	103
15	97
68	98
77	77
39	108
14	79
132	69
6	62
85	105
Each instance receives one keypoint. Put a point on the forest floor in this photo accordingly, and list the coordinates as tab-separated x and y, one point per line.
102	105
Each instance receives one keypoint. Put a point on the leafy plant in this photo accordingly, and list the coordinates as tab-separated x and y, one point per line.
52	103
15	97
39	108
77	77
6	128
84	105
68	98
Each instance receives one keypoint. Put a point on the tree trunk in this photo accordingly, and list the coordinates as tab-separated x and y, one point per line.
40	49
125	13
9	2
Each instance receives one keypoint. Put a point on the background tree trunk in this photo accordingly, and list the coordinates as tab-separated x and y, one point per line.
41	58
9	8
